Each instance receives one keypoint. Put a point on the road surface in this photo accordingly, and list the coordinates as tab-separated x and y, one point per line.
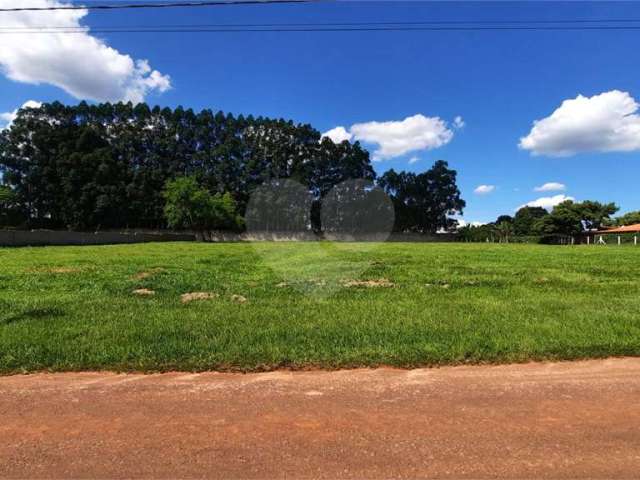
538	420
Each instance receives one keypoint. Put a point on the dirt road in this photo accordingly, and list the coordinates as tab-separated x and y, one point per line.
562	420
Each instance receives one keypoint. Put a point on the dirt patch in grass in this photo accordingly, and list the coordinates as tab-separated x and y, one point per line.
194	296
147	274
238	299
143	292
377	283
54	270
440	285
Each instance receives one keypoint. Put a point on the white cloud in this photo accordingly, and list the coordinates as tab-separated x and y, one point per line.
463	223
80	64
338	135
413	160
547	202
608	122
551	187
396	138
484	189
7	118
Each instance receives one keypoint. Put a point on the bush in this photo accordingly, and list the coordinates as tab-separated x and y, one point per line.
190	206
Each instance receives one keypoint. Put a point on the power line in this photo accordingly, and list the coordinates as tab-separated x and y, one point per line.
329	29
151	5
330	24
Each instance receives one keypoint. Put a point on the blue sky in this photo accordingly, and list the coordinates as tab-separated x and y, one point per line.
498	82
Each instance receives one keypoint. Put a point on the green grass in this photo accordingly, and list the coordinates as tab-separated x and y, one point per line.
72	308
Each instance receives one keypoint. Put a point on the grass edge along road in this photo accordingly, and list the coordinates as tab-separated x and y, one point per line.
313	305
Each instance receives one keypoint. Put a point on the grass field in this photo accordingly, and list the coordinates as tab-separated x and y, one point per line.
71	308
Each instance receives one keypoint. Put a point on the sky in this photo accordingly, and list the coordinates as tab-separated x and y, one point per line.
525	117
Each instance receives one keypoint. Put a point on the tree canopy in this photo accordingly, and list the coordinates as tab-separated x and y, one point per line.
424	201
108	166
566	219
630	218
190	206
526	220
573	218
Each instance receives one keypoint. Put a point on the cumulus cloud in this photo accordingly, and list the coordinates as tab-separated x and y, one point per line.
396	138
413	160
7	118
608	122
551	187
463	223
547	202
79	63
338	135
484	189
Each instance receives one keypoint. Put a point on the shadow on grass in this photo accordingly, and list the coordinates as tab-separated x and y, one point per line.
32	314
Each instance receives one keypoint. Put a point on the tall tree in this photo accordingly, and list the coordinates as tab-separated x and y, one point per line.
8	212
424	202
505	219
505	230
91	166
629	218
526	220
571	218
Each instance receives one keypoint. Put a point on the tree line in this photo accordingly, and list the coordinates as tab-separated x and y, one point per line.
109	166
568	219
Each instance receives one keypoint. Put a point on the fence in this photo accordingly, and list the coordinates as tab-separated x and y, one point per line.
310	236
614	239
22	238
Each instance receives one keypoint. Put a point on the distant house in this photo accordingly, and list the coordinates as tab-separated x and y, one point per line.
626	229
599	236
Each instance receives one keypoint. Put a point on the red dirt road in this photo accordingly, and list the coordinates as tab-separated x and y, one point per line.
552	420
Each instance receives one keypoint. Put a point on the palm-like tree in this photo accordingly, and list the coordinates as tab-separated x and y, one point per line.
504	230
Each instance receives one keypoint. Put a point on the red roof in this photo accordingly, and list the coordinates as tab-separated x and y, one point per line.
626	229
